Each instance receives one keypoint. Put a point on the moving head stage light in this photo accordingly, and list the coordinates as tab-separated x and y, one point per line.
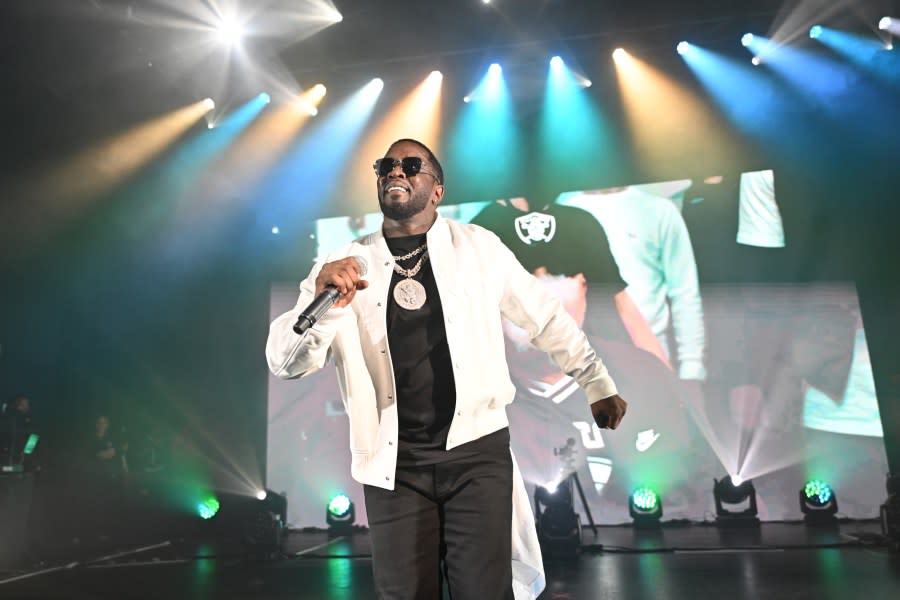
818	503
729	494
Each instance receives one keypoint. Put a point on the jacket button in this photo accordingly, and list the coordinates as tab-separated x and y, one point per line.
390	443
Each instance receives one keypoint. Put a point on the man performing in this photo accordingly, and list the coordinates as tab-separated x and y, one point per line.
420	360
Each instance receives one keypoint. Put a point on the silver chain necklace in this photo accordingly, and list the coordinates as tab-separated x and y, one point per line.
409	293
415	252
412	272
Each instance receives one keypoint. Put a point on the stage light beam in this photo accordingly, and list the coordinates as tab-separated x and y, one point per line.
331	140
62	191
571	127
687	117
417	115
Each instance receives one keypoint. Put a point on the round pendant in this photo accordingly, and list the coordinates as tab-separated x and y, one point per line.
409	294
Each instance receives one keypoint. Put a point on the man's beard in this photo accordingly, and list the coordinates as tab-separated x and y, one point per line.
401	212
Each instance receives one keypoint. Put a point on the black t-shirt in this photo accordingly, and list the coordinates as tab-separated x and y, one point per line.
426	391
423	372
564	239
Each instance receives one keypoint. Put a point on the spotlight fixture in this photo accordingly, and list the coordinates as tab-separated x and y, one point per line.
340	515
756	61
818	503
729	497
682	48
209	104
265	98
556	62
264	524
261	494
885	23
208	507
230	31
645	508
619	54
558	525
746	40
495	69
815	31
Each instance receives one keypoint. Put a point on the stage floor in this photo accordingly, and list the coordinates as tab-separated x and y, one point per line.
777	561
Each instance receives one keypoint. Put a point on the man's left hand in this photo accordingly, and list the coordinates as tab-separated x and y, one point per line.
609	412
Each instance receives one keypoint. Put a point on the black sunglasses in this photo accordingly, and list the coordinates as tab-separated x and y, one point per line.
411	165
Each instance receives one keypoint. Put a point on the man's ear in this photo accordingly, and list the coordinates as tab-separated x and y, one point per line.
438	194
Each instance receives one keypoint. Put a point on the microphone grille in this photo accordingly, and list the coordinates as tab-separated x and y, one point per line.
363	265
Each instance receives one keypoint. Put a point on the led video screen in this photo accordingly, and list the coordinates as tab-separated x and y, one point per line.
769	381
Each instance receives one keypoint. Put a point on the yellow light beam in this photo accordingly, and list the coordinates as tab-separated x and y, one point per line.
250	157
417	116
671	126
61	192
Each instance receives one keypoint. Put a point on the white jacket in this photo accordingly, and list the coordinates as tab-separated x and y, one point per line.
478	280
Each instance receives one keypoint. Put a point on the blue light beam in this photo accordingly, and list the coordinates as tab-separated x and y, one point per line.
575	138
866	53
487	127
308	176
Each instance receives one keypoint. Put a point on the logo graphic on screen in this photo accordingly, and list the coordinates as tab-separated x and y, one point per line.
535	227
591	438
645	439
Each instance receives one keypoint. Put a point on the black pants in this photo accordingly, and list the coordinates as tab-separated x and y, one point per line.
458	512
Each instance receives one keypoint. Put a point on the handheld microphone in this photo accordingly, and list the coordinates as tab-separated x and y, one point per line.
318	307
